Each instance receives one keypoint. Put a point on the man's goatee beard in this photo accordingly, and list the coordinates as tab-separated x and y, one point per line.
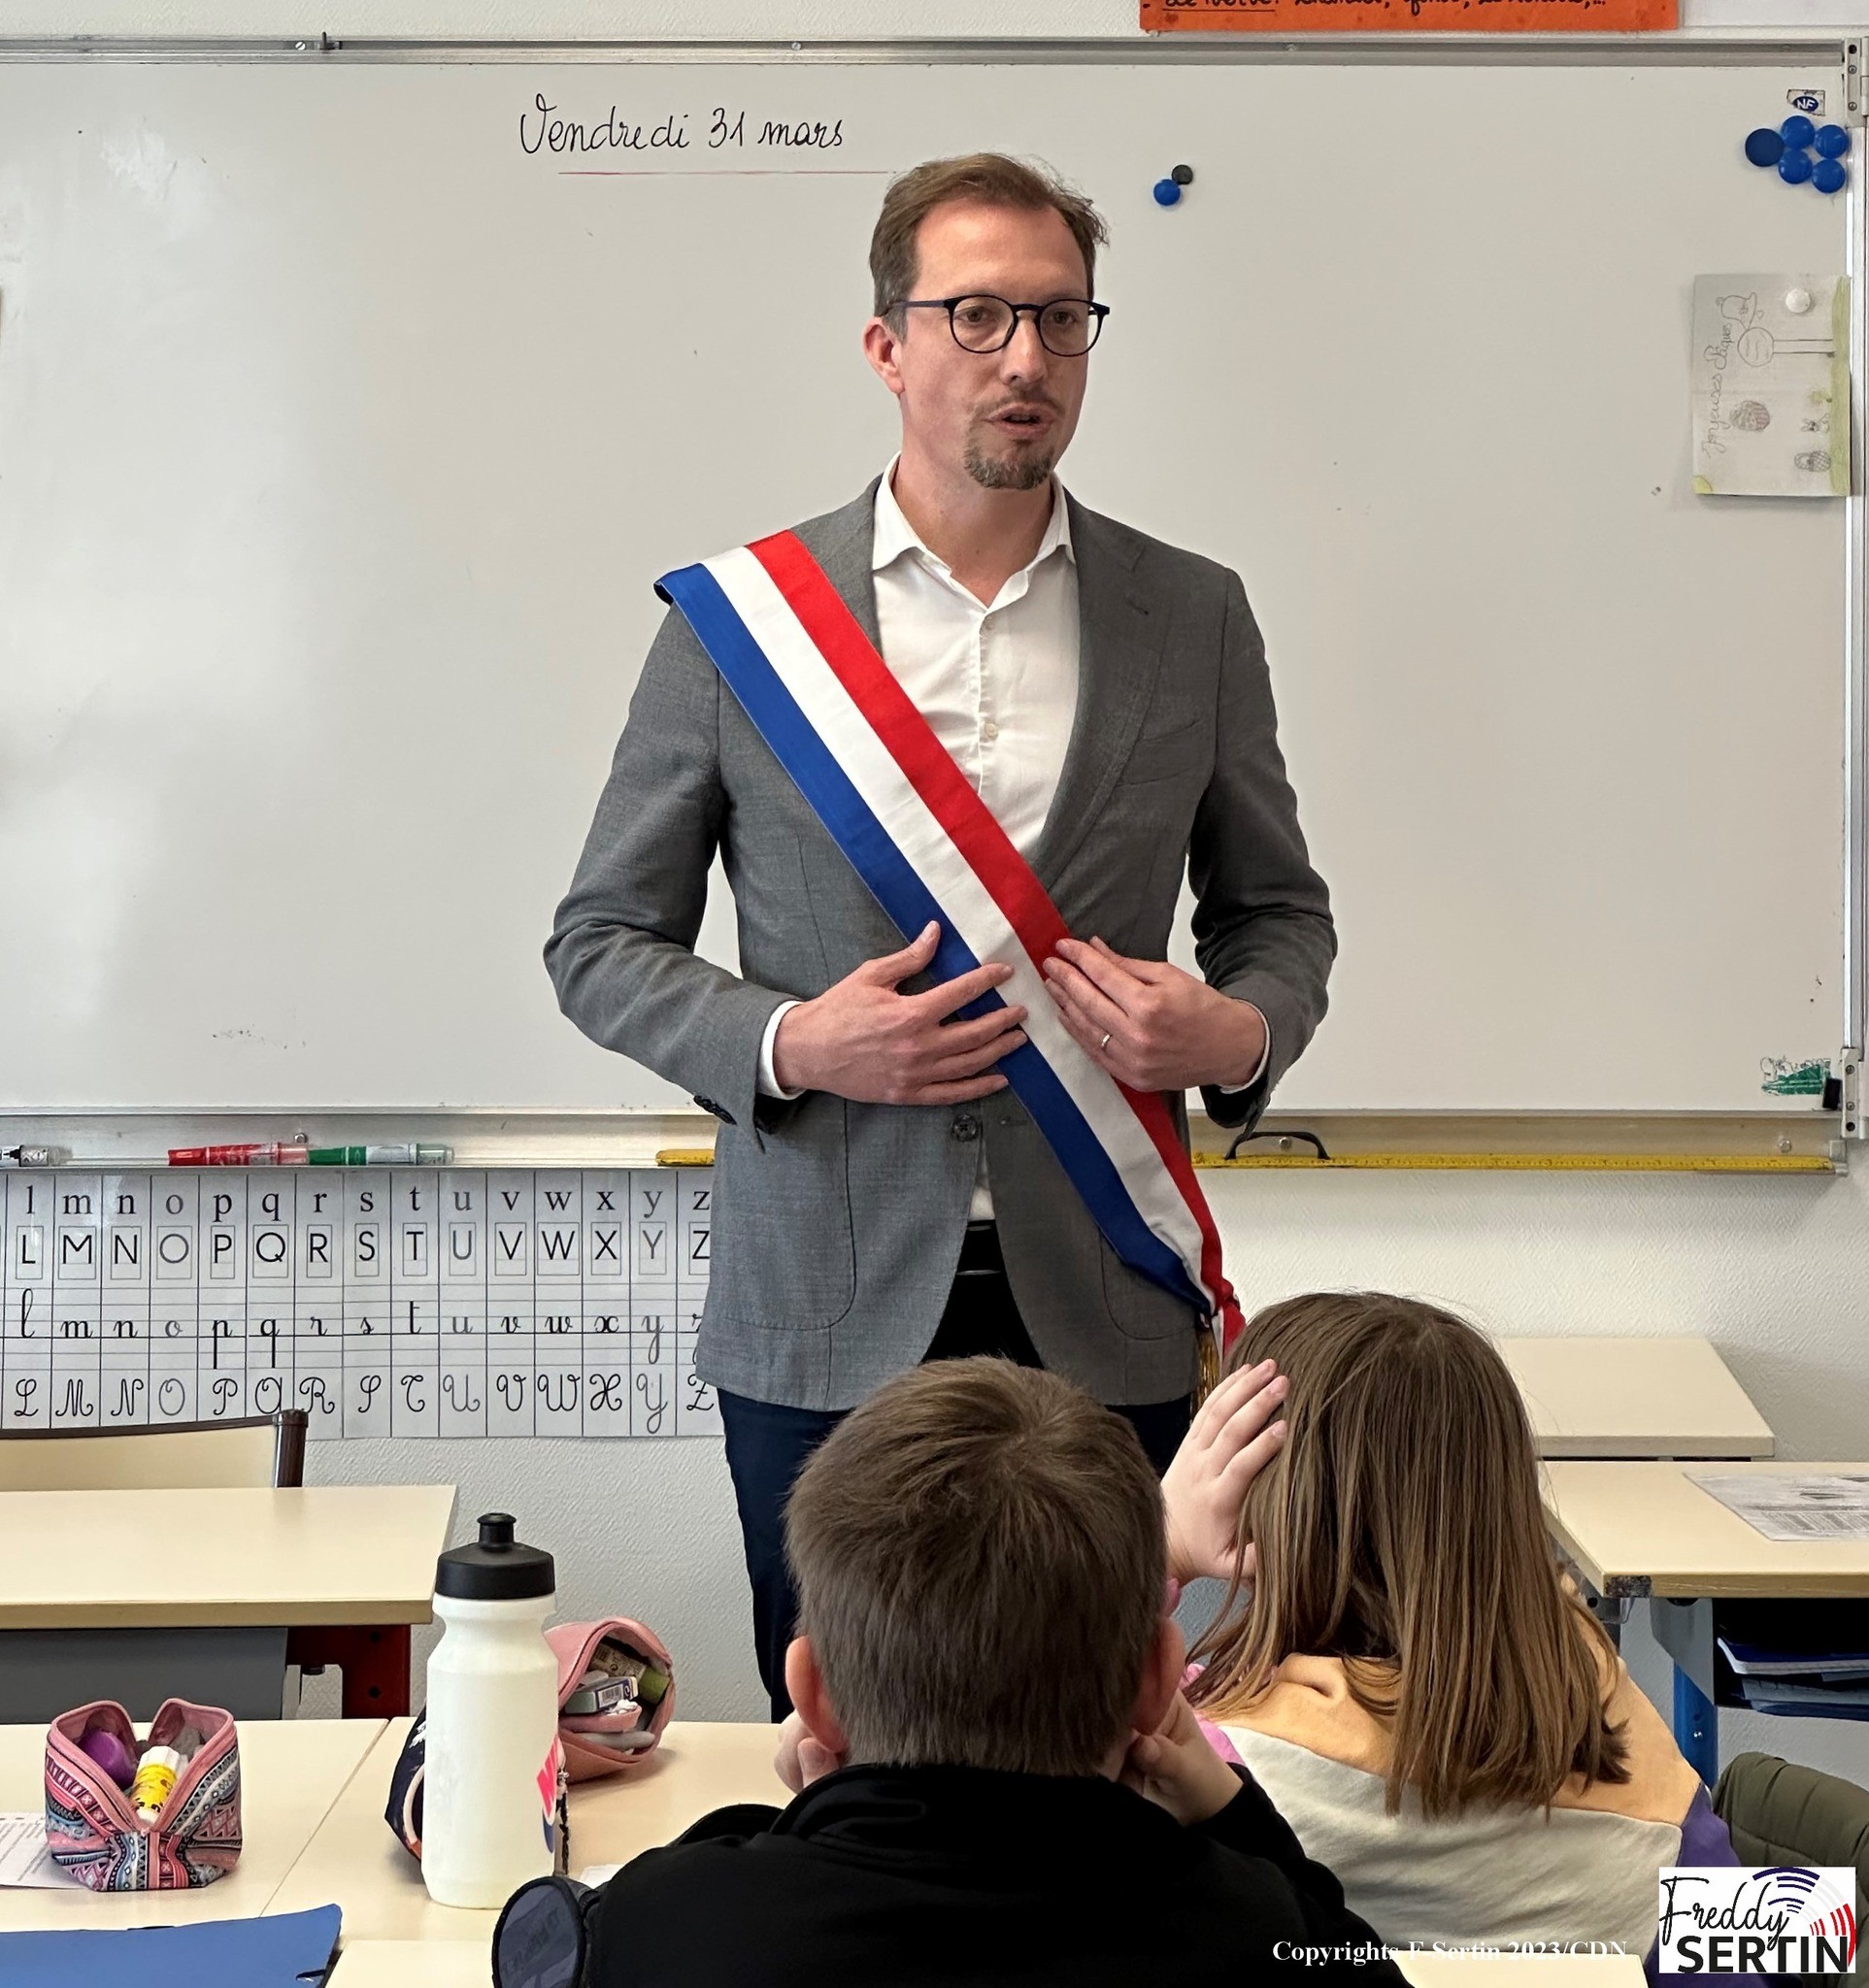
1026	473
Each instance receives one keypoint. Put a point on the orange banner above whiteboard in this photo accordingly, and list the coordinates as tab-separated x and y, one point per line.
1404	17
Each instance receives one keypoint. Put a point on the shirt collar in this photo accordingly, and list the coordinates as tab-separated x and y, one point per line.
894	535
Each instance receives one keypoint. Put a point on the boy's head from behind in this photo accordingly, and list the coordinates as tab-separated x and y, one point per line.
979	1557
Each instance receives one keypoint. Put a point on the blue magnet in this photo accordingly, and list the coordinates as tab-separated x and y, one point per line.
1764	146
1829	176
1831	140
1167	193
1797	131
1794	168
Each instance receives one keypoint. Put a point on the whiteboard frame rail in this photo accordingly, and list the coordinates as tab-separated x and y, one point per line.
102	1139
1855	621
1643	52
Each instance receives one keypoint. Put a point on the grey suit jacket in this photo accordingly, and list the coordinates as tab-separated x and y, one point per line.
837	1225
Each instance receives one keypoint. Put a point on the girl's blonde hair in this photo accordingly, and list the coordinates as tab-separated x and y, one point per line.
1400	1530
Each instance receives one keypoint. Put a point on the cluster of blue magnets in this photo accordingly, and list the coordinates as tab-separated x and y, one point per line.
1790	149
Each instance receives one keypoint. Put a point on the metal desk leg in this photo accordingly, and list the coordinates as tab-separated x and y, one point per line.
1696	1727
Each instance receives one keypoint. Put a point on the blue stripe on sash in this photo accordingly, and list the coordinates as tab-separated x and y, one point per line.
911	907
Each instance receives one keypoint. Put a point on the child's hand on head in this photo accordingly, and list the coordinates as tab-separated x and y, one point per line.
1230	1441
1176	1769
802	1758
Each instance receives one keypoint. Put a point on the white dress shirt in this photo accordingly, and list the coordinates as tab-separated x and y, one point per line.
997	681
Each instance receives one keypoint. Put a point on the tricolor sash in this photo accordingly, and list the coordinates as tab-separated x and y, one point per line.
928	848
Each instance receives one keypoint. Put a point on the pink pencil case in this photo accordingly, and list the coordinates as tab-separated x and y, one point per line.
574	1643
91	1825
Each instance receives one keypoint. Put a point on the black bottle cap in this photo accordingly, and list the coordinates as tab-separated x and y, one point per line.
496	1567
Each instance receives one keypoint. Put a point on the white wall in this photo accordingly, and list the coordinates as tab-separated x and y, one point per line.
1775	1272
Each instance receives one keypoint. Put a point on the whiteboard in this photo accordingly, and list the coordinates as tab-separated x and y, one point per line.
345	424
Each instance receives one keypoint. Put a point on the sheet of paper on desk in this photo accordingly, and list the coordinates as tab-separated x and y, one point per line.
24	1859
1822	1505
1771	385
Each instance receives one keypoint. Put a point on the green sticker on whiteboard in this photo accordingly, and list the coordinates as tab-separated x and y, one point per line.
1784	1079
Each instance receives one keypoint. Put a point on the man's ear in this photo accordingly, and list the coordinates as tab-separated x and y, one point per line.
1161	1676
880	344
805	1682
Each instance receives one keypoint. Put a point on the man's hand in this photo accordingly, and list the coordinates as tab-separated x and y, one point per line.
862	1039
1229	1443
1177	1770
801	1758
1150	1025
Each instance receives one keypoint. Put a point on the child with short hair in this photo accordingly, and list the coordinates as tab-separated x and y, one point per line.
1017	1791
1399	1661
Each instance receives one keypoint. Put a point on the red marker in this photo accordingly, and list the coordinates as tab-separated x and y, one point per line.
266	1155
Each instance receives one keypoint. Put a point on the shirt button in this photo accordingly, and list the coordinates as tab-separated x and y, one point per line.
989	731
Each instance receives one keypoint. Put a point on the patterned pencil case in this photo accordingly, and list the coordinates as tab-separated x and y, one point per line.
93	1825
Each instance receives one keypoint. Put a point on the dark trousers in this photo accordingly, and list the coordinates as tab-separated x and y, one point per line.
768	1445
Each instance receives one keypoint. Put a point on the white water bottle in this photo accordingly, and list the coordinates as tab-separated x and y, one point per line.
492	1719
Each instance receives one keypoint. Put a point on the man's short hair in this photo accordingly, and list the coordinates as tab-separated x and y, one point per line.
990	178
979	1563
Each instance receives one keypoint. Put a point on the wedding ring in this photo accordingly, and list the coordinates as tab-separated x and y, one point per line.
1105	1044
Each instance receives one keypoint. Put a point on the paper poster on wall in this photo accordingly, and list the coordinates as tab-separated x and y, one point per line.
1771	385
407	1303
1402	17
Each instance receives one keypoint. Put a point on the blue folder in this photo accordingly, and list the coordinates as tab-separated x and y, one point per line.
292	1951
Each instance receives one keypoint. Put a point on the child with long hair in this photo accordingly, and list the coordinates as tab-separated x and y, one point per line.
1399	1660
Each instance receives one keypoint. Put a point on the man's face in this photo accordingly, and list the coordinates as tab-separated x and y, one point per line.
1002	417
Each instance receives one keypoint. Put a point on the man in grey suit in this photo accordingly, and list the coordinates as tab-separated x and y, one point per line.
882	1198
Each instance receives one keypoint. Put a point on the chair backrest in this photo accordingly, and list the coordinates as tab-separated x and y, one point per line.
189	1456
1780	1813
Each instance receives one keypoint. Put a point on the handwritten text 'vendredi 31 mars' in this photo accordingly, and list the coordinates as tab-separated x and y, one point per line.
547	128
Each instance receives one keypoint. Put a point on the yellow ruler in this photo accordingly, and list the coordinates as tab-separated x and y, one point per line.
1458	1162
1537	1163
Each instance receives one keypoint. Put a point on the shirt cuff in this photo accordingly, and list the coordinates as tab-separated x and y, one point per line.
769	1084
1230	1089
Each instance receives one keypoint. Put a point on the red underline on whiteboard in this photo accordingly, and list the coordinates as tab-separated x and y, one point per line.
722	172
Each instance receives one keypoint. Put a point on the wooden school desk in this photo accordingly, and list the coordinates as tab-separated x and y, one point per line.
1633	1397
354	1862
1647	1530
208	1594
292	1770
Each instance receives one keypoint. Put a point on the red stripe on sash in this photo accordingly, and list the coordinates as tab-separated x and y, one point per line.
970	824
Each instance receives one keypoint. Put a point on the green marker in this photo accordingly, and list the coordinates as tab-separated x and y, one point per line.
380	1156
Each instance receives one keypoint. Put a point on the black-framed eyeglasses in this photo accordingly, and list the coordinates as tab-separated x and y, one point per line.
1067	326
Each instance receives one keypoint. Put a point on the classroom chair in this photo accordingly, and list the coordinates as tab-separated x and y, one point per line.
189	1456
1779	1814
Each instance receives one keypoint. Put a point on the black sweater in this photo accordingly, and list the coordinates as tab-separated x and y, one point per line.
914	1876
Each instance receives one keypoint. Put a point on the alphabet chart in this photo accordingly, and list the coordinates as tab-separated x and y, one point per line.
383	1302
